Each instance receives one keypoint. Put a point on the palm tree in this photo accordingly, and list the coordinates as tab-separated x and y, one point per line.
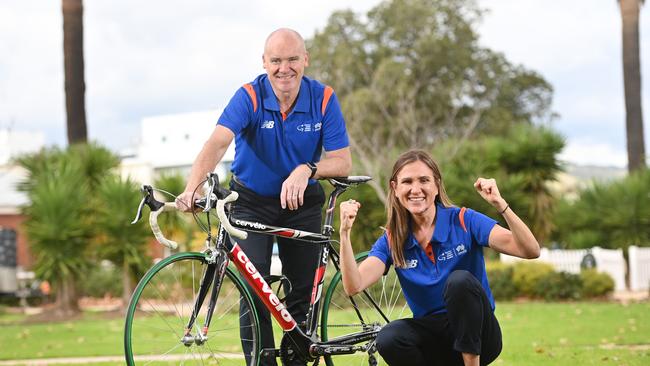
632	82
58	226
73	58
120	242
61	188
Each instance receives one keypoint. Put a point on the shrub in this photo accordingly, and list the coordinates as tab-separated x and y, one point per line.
596	283
103	279
526	275
500	279
558	286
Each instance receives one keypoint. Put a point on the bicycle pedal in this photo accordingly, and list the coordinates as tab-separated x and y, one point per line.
270	352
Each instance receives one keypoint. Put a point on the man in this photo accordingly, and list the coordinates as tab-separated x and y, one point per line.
281	122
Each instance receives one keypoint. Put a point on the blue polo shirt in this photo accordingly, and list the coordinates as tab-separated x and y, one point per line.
269	145
423	280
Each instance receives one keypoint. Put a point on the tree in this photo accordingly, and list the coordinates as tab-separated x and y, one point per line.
61	186
610	215
632	83
413	75
524	162
119	241
58	226
73	60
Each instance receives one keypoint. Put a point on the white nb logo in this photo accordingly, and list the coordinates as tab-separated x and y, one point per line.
411	263
268	124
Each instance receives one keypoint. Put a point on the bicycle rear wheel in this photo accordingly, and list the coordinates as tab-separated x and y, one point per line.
160	308
343	315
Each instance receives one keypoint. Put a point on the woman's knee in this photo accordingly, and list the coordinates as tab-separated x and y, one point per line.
391	338
460	282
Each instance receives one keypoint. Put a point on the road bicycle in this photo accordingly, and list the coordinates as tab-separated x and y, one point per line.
197	307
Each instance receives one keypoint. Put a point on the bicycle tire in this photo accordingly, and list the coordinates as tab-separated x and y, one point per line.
160	307
341	317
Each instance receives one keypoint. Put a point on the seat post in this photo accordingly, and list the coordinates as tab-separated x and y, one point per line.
329	213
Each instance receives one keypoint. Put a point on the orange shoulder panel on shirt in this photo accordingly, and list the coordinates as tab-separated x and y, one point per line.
251	93
327	94
461	216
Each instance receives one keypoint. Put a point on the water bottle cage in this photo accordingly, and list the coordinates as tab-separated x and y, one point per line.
284	285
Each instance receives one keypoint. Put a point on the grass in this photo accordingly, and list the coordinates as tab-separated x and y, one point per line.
533	333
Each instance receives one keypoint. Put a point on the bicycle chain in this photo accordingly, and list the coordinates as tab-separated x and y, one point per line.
346	325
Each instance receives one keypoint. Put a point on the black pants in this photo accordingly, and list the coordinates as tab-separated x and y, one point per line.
469	326
299	259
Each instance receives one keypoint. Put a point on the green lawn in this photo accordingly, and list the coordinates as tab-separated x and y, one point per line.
569	334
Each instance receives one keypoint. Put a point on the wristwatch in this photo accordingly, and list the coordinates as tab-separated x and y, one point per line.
312	166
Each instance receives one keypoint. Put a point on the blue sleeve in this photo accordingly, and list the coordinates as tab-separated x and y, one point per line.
238	113
335	136
381	250
480	226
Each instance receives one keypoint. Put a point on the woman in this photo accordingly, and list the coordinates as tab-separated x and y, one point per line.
436	249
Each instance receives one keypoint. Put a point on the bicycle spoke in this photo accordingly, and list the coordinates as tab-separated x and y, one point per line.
163	300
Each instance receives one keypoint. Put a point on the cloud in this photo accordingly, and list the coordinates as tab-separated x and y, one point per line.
586	151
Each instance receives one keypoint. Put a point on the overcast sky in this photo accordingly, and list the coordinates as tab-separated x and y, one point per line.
146	58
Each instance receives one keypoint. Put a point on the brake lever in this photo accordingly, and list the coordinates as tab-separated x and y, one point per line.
138	215
148	200
214	182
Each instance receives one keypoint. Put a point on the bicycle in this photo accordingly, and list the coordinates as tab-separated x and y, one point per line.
162	320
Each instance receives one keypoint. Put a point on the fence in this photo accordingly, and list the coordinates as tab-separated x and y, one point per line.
639	260
610	261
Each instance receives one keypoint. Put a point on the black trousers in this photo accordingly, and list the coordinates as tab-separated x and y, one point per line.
299	259
469	326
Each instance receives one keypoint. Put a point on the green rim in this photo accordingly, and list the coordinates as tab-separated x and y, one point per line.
135	297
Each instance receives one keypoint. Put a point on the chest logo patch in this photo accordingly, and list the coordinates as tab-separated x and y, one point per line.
448	254
305	127
268	124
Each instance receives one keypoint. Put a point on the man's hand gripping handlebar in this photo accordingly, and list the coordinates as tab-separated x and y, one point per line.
222	195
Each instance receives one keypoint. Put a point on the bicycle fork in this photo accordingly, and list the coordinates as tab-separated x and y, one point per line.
214	273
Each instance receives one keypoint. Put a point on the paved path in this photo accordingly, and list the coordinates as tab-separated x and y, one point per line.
99	359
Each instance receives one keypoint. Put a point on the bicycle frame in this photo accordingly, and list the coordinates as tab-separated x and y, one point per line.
223	249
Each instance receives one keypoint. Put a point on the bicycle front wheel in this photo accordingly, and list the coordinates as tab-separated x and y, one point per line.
162	304
371	309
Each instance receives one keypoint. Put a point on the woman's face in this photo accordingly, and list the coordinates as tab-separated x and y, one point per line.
416	188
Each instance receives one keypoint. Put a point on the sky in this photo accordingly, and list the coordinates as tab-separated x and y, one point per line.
155	57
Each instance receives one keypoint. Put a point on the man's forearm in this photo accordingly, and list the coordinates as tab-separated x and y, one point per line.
205	162
335	164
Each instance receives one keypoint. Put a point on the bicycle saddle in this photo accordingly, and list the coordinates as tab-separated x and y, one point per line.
352	180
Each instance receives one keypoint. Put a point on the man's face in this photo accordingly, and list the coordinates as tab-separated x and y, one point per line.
285	60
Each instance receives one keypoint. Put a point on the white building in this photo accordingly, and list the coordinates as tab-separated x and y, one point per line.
13	144
169	144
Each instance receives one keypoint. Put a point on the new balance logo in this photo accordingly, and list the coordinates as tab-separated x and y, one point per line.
411	263
268	124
